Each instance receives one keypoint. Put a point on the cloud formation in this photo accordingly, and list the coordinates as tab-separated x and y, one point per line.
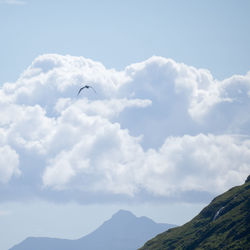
9	161
158	128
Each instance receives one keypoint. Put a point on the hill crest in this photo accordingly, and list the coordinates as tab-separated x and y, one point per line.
223	224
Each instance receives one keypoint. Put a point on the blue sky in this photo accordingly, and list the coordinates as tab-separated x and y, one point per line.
206	34
167	130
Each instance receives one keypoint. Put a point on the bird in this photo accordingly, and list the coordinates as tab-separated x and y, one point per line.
87	87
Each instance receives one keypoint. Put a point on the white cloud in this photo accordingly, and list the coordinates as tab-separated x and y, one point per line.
9	161
94	155
104	108
157	127
189	163
202	162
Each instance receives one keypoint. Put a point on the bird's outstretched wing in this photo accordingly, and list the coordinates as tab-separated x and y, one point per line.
81	89
87	87
92	88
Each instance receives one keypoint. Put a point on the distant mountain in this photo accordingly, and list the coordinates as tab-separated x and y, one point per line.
124	231
223	224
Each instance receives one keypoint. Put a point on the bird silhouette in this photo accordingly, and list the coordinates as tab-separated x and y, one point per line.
87	87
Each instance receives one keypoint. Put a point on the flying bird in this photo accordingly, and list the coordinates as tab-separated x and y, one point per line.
87	87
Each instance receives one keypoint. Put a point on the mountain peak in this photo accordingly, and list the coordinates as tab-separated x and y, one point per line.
126	216
123	213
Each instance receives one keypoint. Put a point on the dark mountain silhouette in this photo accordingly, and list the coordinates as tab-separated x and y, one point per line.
223	224
124	231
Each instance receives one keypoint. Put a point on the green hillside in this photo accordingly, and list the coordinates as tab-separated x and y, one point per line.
223	224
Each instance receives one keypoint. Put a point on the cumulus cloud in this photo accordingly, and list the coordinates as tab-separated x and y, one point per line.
9	161
197	163
104	108
158	128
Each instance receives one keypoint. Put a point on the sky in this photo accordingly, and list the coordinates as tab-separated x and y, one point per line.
167	130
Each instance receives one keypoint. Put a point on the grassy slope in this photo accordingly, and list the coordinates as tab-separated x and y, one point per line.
230	230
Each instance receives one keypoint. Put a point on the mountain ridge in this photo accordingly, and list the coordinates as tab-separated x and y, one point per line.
123	231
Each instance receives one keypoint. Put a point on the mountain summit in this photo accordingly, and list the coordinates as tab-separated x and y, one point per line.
223	224
124	231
